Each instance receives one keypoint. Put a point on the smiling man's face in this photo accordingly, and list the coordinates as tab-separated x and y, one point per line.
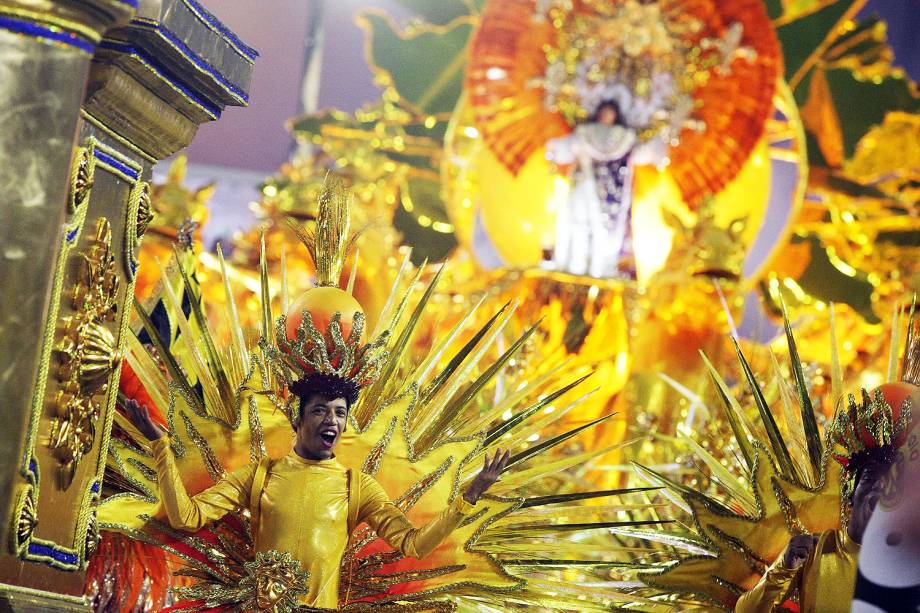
322	422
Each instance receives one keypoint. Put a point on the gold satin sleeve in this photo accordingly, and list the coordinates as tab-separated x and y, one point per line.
771	590
191	513
392	525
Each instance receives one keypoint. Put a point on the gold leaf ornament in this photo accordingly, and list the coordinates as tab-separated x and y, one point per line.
95	291
145	213
81	178
272	582
88	354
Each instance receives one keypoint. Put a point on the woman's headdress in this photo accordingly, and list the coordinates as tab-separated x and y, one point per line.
869	432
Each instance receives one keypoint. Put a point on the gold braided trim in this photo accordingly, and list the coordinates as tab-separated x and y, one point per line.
70	240
108	410
208	457
75	229
132	242
378	451
97	123
6	588
171	85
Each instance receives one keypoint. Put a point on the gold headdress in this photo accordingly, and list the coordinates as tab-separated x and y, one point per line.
872	430
321	336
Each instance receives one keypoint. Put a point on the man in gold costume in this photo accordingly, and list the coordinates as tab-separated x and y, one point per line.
817	572
307	503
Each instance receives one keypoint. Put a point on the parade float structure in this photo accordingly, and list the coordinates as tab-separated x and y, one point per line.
95	94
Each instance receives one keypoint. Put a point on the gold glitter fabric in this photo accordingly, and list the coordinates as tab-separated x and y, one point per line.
824	582
306	508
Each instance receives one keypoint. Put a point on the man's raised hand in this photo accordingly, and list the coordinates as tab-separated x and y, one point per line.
491	471
140	417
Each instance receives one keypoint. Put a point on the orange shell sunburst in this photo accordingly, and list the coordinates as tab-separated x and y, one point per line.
507	54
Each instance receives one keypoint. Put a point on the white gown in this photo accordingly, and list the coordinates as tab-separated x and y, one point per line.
593	226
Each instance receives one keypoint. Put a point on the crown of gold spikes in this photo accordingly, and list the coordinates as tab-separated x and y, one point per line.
331	353
868	432
871	430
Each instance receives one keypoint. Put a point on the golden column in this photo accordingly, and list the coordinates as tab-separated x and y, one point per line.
72	223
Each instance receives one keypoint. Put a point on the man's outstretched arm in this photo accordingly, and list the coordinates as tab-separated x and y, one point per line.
183	511
392	525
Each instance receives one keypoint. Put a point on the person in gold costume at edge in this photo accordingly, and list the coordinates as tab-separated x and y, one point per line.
307	503
817	572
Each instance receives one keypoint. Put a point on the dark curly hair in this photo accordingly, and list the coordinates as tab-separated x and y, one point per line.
609	103
328	386
882	458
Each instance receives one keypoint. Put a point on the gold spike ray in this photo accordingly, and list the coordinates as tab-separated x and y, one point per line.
910	364
329	242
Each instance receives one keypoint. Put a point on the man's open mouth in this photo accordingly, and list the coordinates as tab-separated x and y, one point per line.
328	436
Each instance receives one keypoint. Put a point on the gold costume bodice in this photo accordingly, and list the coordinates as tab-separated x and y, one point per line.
825	582
303	509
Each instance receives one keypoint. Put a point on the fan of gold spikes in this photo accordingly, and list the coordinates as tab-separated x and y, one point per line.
786	484
421	428
329	241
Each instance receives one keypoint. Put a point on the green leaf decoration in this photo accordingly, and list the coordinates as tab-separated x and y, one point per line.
848	187
441	12
423	66
828	281
863	103
802	39
422	208
392	133
864	46
317	125
774	8
901	238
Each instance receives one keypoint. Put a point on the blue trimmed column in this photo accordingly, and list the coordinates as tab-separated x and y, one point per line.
45	54
151	82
